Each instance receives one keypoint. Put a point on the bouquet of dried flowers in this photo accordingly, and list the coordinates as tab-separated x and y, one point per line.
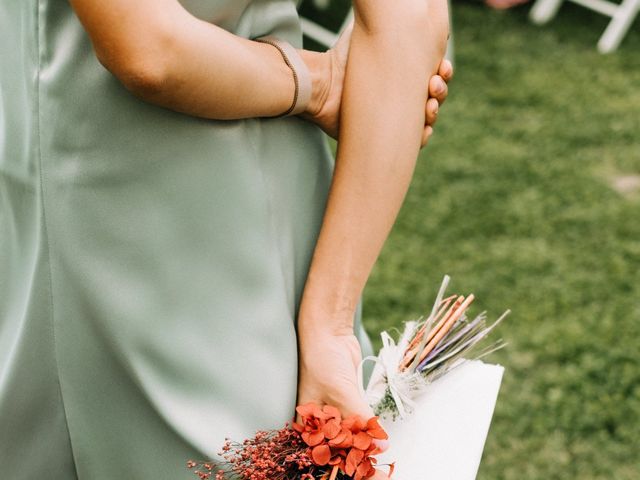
426	350
323	446
326	446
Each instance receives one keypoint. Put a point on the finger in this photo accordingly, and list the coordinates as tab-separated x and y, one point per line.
438	88
346	33
341	47
431	111
426	135
445	70
356	405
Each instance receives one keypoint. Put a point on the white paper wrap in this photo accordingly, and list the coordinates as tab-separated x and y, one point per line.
444	437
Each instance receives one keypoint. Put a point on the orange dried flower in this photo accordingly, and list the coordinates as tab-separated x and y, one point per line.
320	447
347	444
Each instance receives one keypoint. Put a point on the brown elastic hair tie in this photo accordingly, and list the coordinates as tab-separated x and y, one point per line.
301	76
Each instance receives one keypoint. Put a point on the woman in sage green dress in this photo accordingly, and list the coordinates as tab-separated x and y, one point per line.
157	229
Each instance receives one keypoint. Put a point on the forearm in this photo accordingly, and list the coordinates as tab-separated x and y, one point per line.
377	150
168	57
215	74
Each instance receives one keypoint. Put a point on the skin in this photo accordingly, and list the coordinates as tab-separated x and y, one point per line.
168	57
377	91
396	47
326	114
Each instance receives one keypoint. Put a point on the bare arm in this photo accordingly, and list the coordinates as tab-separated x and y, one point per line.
166	56
396	47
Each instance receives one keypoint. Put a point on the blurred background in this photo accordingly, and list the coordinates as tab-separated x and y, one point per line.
529	197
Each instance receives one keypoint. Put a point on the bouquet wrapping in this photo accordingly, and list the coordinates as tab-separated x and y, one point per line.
436	404
444	437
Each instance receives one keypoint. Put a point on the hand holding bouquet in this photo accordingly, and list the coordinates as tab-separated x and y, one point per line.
410	377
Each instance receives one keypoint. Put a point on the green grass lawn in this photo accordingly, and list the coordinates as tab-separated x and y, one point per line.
515	199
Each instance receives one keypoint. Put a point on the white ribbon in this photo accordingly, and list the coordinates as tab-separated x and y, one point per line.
403	385
386	374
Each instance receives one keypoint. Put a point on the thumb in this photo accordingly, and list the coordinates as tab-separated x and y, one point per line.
360	408
345	35
341	47
354	403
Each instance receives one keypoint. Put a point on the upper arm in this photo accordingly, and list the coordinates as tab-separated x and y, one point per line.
130	38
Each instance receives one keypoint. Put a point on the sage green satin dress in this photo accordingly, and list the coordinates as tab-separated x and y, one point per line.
151	263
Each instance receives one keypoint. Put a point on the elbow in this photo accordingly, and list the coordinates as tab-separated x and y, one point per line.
412	22
145	79
427	23
415	14
142	71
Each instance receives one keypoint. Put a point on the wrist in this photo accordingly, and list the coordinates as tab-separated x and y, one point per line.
312	326
319	65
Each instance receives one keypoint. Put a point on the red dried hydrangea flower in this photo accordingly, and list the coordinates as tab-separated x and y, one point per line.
345	444
320	447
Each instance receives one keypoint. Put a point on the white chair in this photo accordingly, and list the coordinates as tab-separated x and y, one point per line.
622	16
320	34
327	37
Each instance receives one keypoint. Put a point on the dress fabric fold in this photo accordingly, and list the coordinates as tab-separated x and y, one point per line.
151	262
